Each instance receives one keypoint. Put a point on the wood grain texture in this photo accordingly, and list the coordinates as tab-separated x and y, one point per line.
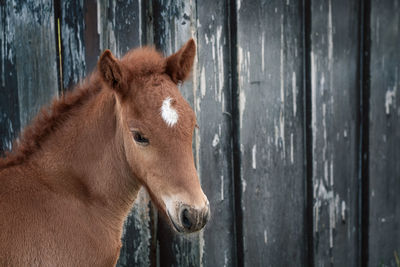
270	80
72	27
9	109
32	34
214	116
384	134
335	135
28	64
91	35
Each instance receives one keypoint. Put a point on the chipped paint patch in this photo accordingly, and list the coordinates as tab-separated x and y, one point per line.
291	149
203	82
265	237
343	211
262	51
389	96
7	137
254	157
244	185
242	105
222	187
294	93
215	141
220	71
244	78
330	36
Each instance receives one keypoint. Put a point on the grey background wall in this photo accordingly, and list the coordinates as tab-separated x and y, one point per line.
299	111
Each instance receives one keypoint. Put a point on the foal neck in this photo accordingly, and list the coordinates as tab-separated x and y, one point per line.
85	158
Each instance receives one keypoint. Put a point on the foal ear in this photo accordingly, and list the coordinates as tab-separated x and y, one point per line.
180	64
111	71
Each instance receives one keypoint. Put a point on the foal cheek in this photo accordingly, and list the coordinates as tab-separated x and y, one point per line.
139	160
132	155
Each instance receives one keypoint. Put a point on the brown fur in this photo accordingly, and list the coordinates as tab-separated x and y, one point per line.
70	181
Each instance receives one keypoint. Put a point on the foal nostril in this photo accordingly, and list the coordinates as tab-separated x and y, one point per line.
192	219
185	219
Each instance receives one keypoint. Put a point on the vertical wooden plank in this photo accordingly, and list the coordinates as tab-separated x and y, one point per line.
91	36
384	134
120	25
28	63
173	26
335	134
214	115
271	123
9	110
72	27
33	38
88	28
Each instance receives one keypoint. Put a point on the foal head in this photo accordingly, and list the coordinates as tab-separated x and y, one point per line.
157	126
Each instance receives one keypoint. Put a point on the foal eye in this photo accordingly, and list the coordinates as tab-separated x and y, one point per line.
140	139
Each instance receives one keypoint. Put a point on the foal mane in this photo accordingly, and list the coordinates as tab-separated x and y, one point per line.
48	120
147	61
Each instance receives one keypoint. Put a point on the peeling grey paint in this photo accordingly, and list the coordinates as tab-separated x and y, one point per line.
384	135
35	57
270	139
334	105
73	43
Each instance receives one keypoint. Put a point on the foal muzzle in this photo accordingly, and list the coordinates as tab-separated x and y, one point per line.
189	219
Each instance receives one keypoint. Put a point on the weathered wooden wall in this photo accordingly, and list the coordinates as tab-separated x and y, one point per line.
271	120
28	63
384	135
335	136
298	108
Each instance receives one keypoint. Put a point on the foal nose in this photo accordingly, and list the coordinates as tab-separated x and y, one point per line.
194	219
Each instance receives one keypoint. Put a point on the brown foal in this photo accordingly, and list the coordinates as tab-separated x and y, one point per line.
73	176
